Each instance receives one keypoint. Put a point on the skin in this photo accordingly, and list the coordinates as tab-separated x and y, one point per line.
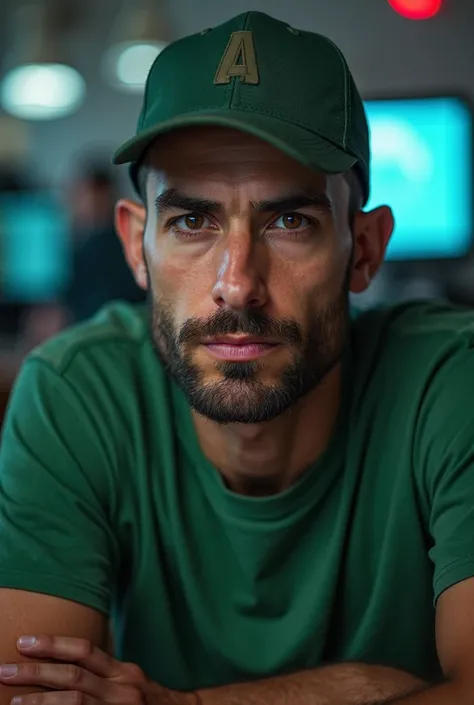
220	278
241	262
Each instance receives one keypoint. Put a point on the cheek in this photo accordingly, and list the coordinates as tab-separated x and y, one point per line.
311	283
185	287
329	278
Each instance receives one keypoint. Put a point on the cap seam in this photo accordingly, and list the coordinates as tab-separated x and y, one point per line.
147	92
349	108
157	59
236	80
346	96
292	121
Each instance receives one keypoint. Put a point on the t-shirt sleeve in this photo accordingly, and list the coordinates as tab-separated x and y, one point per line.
55	535
446	447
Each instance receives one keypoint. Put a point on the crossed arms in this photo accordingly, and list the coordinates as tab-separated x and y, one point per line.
340	684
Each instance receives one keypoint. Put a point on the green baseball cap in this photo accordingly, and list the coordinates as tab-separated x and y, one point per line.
256	74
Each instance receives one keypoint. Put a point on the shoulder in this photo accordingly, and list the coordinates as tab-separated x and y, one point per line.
95	378
79	399
118	327
412	340
414	368
415	378
417	322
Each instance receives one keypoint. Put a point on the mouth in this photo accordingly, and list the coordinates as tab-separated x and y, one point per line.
239	348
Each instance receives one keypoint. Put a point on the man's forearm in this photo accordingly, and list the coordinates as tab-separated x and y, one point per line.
342	684
449	693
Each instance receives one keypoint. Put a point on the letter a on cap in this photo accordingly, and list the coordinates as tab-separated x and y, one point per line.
238	60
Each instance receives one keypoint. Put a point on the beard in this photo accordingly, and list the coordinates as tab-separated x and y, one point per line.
240	396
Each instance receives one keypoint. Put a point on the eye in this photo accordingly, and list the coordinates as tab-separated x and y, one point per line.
190	226
191	221
291	221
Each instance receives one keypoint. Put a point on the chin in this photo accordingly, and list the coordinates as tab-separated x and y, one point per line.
237	401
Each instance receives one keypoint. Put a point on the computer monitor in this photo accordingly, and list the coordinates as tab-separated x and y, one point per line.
34	247
422	166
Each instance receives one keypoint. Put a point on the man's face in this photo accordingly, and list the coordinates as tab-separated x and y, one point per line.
248	260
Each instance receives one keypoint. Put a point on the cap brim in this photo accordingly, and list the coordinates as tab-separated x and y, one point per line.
305	146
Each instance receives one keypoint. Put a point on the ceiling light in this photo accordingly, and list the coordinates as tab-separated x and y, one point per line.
38	83
42	91
137	38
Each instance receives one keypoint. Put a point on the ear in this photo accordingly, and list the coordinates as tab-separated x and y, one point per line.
372	233
130	222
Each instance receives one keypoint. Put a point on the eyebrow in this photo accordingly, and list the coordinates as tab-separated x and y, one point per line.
172	199
294	202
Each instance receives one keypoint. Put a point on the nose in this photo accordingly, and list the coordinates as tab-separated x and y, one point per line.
241	273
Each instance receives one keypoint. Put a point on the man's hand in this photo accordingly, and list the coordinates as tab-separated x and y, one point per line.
85	676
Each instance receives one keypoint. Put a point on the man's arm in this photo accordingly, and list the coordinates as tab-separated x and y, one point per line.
103	679
356	684
455	642
23	613
341	684
58	551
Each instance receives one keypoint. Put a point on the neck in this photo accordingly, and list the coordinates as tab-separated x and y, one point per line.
265	459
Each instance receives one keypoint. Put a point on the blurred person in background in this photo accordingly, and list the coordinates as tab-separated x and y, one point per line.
273	501
99	270
15	315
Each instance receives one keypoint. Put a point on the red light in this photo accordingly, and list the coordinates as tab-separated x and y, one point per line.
416	9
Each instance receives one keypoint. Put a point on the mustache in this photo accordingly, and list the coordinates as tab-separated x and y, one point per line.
227	322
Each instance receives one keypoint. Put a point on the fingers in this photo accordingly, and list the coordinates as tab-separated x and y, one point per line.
70	698
69	649
69	677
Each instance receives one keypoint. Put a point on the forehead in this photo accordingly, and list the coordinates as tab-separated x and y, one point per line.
214	143
224	154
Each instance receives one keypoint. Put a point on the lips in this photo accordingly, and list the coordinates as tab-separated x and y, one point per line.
239	348
239	340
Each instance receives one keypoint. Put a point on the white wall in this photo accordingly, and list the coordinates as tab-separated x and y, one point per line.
386	53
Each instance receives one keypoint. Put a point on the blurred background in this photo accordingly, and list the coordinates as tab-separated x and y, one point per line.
71	83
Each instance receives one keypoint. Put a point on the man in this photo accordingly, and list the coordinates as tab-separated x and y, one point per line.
272	503
99	272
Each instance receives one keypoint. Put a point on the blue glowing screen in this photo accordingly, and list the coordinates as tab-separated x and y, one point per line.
34	247
422	168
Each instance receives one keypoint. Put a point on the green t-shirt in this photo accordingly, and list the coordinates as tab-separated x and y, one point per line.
106	499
